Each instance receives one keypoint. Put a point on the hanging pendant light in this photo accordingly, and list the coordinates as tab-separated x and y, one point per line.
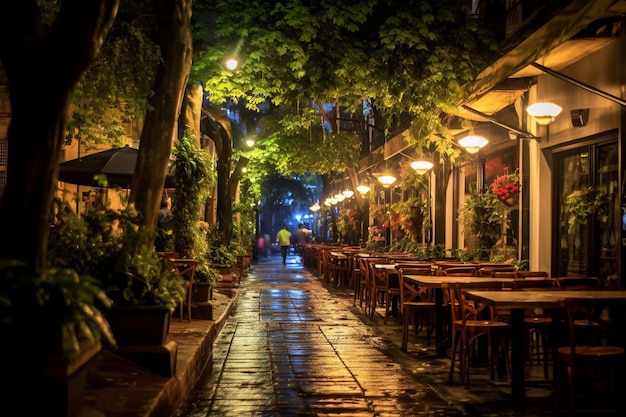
543	112
363	189
386	179
473	143
421	167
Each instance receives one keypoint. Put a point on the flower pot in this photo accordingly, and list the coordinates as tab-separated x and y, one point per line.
202	292
139	325
58	380
511	201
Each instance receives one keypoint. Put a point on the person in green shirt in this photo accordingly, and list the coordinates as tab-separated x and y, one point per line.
284	240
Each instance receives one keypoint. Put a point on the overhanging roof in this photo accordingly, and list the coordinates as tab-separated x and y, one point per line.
553	45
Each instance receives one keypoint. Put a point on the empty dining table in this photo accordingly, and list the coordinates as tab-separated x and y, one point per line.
518	302
439	283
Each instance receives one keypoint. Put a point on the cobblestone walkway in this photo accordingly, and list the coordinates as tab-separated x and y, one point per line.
295	347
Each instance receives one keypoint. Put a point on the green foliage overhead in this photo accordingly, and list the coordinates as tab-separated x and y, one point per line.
408	57
115	89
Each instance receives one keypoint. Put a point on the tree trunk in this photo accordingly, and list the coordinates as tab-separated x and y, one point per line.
443	172
217	126
189	121
42	69
157	137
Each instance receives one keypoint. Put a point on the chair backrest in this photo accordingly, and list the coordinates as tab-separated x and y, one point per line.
501	274
465	270
413	264
409	291
593	321
368	266
534	284
578	283
533	274
488	271
464	309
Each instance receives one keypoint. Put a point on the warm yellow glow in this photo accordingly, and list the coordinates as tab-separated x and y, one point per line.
232	64
544	113
386	180
348	193
339	197
421	167
315	207
473	143
250	143
363	189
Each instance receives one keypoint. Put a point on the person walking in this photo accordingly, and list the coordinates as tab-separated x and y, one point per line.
301	235
284	241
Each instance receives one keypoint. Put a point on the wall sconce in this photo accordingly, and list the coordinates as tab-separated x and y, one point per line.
363	189
348	193
473	143
580	117
421	167
544	113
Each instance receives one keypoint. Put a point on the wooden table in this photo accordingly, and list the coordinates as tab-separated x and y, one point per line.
517	302
438	283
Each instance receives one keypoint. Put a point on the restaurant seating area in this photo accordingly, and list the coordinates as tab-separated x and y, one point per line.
524	318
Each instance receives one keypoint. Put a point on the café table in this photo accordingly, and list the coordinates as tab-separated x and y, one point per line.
518	302
439	283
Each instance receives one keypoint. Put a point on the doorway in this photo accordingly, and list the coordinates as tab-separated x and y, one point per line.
587	203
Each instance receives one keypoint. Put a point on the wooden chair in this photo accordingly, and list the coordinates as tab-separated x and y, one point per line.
465	270
537	324
378	286
469	323
488	271
186	267
592	361
340	270
532	274
578	283
362	290
415	303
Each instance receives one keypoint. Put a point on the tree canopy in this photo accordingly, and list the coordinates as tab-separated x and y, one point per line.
406	57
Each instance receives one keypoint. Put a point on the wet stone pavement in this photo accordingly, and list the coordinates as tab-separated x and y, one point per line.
296	346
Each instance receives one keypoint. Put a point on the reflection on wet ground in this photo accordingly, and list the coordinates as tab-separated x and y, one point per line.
295	346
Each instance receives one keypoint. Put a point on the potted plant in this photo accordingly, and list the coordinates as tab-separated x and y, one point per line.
481	216
109	246
52	324
506	188
583	203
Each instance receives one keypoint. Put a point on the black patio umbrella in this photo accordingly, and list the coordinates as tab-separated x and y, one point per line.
118	164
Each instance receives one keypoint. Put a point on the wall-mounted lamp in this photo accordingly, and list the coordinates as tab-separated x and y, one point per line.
580	117
339	197
544	113
363	189
473	143
421	167
348	193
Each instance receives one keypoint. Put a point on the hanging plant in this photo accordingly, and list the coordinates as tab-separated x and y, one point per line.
506	188
583	203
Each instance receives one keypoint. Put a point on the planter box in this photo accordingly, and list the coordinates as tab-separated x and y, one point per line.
202	292
139	325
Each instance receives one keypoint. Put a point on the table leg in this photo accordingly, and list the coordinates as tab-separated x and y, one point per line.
517	358
441	341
